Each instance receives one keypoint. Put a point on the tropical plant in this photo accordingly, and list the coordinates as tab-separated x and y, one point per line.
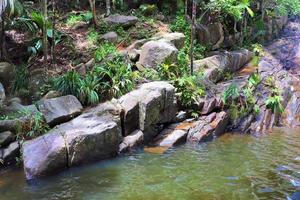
69	83
274	102
89	88
187	89
104	50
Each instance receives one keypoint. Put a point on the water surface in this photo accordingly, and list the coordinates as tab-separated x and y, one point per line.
231	167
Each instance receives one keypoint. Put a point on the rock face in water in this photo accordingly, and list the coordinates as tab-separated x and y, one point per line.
208	127
154	53
92	136
97	133
130	141
60	109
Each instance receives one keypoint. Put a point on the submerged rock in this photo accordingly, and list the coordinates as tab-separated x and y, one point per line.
154	53
59	110
130	141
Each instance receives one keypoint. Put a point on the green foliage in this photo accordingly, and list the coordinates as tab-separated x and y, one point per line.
69	83
89	88
93	37
274	102
286	7
34	127
231	93
188	91
148	9
21	78
104	50
85	17
118	74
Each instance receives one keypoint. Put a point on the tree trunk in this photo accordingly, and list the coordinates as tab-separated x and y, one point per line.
107	7
186	8
53	56
2	40
45	40
93	9
192	36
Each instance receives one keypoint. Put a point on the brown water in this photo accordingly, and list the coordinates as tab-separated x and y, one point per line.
230	167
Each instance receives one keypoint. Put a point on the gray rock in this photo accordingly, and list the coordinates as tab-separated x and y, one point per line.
2	95
130	106
130	141
156	52
210	35
177	39
208	127
60	109
180	117
45	155
92	136
122	20
110	37
6	74
52	94
6	138
134	55
209	106
173	135
79	25
11	152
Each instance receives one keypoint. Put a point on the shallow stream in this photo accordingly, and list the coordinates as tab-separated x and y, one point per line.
231	167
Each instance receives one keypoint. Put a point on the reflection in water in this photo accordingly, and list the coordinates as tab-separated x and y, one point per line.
231	167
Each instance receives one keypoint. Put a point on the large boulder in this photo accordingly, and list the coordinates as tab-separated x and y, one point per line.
216	65
177	39
45	155
210	35
146	108
154	53
121	20
6	74
92	136
59	110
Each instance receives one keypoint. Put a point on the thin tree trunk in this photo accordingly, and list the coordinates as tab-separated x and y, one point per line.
45	40
93	9
2	40
186	9
53	56
107	7
192	36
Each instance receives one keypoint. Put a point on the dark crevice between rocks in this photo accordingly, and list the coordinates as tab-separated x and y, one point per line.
122	120
67	151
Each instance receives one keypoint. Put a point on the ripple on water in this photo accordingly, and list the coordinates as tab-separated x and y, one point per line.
231	167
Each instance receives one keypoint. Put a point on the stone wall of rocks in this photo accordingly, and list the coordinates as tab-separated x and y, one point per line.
215	37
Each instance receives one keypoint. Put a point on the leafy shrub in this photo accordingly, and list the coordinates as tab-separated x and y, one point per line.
188	91
274	102
21	78
104	50
69	83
